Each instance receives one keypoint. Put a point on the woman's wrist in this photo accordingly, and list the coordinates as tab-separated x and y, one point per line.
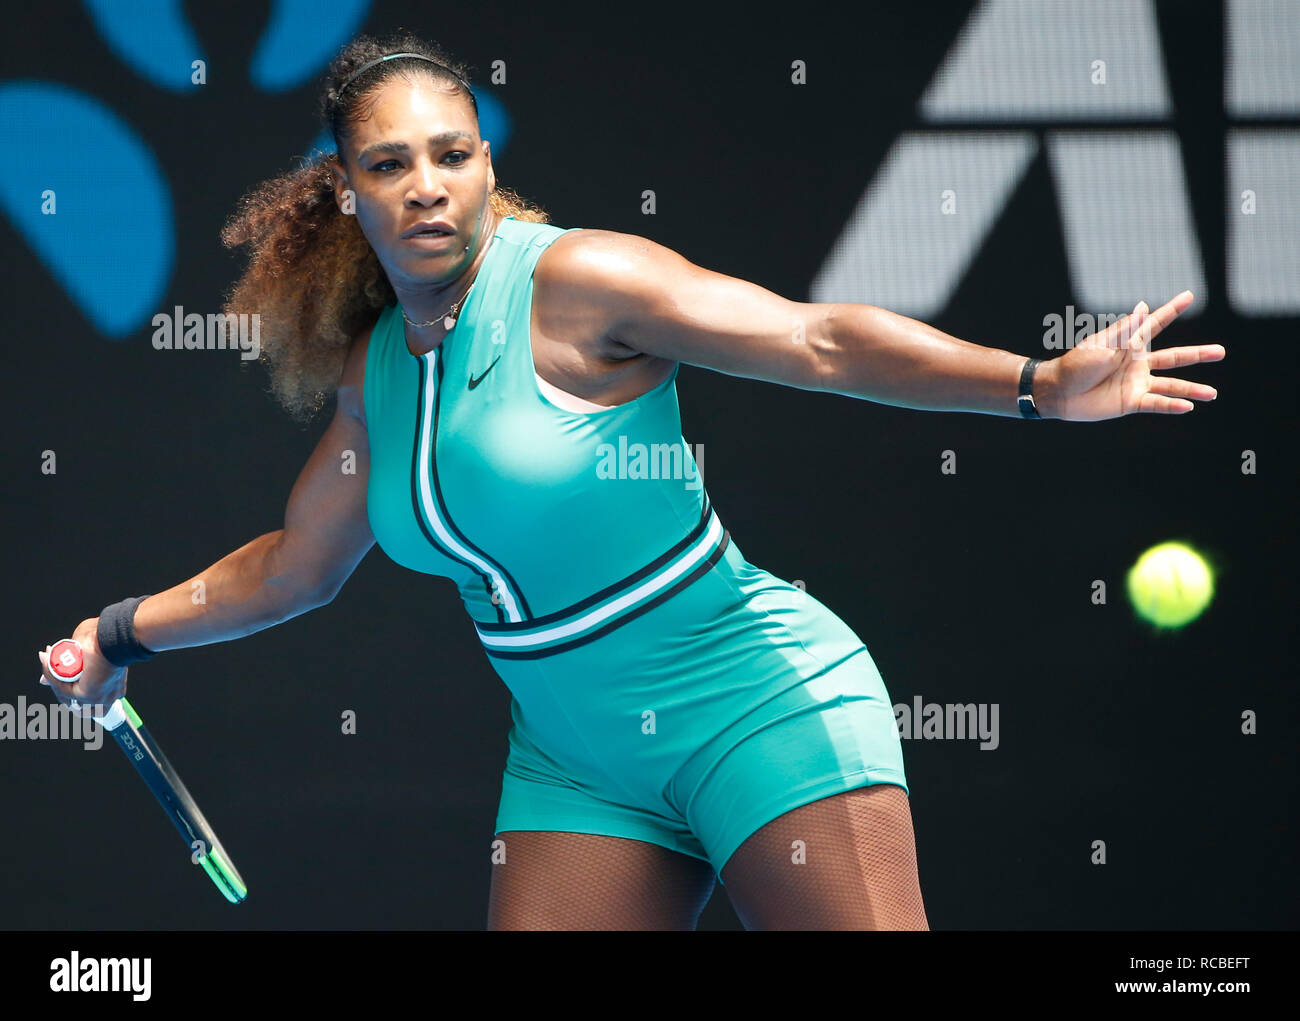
136	619
90	640
1039	386
1046	389
115	633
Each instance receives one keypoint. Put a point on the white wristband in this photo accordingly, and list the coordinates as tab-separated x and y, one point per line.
114	718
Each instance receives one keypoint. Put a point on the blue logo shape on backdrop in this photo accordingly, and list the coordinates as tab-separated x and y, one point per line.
110	242
300	39
152	36
155	38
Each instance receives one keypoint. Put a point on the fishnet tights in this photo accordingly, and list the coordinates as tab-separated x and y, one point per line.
844	862
553	880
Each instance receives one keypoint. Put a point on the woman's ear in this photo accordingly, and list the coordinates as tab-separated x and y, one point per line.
344	197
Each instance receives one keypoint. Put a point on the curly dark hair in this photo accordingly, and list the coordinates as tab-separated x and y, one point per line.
312	276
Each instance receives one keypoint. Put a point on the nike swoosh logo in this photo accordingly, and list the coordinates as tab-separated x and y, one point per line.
475	382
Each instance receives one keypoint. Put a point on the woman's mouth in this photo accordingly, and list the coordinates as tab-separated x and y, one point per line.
428	229
428	238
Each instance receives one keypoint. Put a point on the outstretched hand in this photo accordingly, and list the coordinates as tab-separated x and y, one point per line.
1109	374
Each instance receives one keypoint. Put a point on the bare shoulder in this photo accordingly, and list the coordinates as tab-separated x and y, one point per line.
604	265
351	392
587	280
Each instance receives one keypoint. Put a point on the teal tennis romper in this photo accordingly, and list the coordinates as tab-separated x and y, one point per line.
663	688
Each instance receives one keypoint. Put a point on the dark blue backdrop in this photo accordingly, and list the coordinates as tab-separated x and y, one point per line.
973	588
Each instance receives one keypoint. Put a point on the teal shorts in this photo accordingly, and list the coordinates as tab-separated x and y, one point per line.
815	736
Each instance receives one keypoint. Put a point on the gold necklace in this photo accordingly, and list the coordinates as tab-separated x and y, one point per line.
448	318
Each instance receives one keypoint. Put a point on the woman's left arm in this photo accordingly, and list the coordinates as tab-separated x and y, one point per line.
643	297
1107	375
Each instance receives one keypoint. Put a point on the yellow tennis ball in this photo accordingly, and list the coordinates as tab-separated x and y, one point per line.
1170	584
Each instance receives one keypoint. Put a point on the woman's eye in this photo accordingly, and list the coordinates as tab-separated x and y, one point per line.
388	165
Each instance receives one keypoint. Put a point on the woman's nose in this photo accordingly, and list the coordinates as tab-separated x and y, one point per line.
428	184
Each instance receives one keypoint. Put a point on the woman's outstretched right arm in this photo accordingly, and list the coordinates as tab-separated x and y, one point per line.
277	576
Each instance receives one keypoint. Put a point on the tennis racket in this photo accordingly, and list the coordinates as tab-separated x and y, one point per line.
124	723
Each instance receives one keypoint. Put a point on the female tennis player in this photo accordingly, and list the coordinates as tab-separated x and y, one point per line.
679	714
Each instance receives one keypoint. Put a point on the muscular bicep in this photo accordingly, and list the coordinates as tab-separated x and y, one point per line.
326	526
647	298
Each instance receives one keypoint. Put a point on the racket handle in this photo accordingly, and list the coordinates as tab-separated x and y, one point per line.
67	663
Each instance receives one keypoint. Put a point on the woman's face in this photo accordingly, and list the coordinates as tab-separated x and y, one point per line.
418	157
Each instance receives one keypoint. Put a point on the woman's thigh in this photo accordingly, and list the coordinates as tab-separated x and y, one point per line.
847	861
561	880
822	737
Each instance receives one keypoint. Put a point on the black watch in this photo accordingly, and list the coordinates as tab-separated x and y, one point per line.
1028	409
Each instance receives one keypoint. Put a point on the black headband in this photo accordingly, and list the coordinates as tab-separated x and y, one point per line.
391	56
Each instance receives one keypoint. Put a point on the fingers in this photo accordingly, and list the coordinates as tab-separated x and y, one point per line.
66	693
74	696
1158	320
1177	357
59	687
1171	387
1116	336
1162	405
1135	331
